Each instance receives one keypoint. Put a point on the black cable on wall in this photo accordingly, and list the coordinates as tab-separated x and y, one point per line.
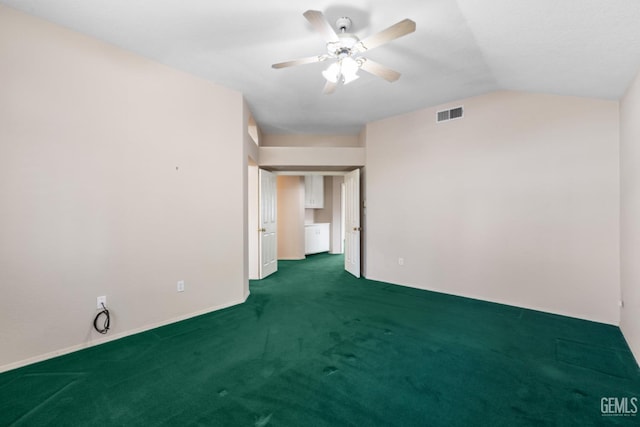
105	324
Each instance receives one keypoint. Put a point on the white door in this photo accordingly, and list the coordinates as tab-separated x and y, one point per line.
352	222
268	226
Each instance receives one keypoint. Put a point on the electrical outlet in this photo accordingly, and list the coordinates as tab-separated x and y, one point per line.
101	300
180	286
400	261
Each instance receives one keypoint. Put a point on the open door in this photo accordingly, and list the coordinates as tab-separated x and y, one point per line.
352	222
268	243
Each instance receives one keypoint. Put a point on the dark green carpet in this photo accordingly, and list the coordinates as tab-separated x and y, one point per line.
315	347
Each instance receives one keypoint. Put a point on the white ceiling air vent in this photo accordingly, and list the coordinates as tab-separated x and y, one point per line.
454	113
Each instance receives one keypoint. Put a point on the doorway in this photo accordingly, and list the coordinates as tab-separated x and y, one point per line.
294	218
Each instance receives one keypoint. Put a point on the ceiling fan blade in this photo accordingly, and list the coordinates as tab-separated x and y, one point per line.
395	31
321	25
329	88
301	61
379	70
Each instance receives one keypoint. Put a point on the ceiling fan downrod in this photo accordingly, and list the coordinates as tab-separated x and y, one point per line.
344	24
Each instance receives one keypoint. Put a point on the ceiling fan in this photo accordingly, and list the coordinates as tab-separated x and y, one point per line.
346	49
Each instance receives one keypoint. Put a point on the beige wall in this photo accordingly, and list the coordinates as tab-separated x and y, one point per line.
298	151
298	140
516	203
309	216
297	158
118	177
630	215
291	217
250	200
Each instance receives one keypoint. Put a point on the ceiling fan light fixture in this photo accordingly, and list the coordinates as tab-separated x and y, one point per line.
349	68
332	74
349	78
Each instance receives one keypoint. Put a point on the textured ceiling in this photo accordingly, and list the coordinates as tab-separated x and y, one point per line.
461	48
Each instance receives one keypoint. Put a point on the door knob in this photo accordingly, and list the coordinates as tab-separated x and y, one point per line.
263	230
357	229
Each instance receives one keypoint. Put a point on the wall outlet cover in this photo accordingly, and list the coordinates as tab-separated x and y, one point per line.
101	300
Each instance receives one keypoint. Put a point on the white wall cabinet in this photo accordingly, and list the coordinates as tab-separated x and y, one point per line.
316	238
313	191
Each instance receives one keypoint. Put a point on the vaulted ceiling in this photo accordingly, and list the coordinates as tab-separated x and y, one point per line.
462	48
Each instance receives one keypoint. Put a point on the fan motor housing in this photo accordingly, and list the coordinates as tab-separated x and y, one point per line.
343	24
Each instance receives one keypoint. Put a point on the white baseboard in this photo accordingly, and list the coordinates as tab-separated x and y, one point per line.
98	341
